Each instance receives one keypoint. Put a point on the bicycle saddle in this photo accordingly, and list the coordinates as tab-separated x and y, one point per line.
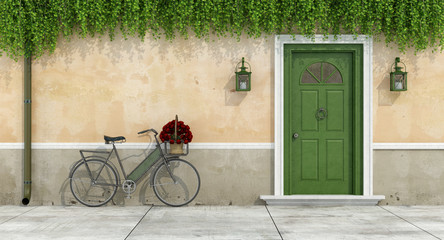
109	139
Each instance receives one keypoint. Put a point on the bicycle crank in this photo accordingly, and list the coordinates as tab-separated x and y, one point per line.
129	186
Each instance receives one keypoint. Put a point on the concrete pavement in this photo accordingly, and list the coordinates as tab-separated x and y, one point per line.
222	222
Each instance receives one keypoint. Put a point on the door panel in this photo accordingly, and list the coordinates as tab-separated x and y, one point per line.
319	90
335	119
309	160
309	101
335	159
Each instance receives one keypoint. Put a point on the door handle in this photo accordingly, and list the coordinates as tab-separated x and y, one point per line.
295	135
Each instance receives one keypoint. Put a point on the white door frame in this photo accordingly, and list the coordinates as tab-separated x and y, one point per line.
367	43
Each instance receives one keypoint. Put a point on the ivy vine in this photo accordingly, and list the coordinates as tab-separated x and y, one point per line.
33	27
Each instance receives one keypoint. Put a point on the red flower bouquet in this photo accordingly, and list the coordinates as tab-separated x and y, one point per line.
176	132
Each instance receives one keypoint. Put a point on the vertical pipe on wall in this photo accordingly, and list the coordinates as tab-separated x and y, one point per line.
27	132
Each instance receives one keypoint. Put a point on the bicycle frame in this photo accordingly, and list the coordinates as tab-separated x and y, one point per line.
106	160
143	167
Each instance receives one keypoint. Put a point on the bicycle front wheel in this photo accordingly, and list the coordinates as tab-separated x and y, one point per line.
176	182
94	182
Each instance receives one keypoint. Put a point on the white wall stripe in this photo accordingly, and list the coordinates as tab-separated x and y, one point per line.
408	146
75	146
49	146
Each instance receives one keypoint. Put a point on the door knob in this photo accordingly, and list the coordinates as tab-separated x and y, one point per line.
321	113
295	135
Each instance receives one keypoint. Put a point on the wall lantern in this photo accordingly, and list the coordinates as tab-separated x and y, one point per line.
398	78
243	77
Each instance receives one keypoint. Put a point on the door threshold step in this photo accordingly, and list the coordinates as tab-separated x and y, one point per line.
322	200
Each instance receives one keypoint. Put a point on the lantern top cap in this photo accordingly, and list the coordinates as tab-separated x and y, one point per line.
243	68
399	68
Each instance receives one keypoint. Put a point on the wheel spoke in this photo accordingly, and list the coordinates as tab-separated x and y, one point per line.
95	192
180	191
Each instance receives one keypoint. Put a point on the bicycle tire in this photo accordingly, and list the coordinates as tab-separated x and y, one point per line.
187	183
99	193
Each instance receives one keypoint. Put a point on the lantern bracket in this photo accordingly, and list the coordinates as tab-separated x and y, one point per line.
398	69
243	68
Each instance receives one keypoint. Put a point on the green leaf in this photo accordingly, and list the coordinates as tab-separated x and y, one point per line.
33	27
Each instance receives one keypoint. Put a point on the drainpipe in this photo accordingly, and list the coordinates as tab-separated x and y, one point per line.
27	132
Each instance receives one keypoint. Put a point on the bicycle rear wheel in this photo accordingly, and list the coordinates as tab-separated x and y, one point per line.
178	188
95	189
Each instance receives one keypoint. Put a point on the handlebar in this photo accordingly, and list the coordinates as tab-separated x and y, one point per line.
148	130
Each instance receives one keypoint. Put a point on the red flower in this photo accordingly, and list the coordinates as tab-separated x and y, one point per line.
169	135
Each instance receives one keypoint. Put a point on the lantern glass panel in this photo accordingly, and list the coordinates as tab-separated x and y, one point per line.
399	81
243	81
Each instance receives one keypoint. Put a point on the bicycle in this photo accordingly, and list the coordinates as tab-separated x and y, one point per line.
94	180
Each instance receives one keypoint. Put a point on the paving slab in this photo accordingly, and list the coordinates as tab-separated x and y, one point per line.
8	213
358	222
206	222
428	218
72	223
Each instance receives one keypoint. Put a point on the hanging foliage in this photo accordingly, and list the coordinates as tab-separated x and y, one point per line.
34	26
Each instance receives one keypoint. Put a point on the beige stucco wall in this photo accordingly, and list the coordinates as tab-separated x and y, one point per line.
91	87
11	107
415	115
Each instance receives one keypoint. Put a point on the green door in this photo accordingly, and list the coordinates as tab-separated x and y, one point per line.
322	119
